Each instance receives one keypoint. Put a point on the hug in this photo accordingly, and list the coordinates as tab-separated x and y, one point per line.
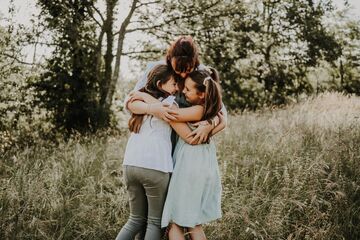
170	166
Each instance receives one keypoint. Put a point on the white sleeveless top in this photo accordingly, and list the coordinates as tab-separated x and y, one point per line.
151	147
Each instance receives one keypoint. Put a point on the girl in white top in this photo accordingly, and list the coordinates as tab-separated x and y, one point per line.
148	163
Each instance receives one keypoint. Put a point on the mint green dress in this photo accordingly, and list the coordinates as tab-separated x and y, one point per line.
194	195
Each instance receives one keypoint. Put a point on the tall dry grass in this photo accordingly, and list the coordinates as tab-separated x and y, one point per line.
290	173
71	191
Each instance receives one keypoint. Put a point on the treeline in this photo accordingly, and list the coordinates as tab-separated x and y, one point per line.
268	52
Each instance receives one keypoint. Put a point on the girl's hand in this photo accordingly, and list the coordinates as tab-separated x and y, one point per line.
157	109
137	95
163	111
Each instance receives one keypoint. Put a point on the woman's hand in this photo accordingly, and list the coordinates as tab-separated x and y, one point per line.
204	129
221	117
201	133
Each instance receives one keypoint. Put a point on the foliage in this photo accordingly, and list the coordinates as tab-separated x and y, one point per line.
19	115
268	45
346	71
288	173
70	88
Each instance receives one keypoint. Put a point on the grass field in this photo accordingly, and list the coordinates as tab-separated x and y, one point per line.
289	173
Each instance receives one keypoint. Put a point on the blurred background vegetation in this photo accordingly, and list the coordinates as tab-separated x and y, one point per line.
268	53
288	161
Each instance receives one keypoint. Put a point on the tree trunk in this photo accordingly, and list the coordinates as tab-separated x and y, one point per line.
107	29
114	78
341	71
108	26
98	52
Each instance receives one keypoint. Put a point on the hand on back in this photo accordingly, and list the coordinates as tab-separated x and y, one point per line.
201	133
163	111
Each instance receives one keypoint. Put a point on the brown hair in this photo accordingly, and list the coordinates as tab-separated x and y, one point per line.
207	81
185	52
160	73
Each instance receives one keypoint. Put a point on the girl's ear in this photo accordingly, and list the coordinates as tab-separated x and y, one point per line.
158	84
201	95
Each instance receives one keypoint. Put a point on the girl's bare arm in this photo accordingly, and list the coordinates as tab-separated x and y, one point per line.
155	109
138	107
188	114
183	130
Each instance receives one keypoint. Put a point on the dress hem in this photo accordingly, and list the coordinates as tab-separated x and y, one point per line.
191	225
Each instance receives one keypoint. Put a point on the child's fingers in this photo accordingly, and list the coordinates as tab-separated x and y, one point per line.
134	98
166	120
173	112
170	117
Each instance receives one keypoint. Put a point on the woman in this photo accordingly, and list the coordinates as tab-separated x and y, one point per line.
194	195
183	57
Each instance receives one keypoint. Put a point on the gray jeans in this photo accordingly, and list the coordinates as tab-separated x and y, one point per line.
147	190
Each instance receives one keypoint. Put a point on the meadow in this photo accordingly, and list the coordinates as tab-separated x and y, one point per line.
287	173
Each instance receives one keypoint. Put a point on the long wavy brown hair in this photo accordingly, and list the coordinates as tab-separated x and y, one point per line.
207	81
159	75
186	54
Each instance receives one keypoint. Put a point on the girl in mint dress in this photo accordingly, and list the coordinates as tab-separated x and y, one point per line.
194	194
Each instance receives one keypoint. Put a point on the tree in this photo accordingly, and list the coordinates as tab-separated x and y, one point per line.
80	82
70	87
17	102
346	70
111	79
262	49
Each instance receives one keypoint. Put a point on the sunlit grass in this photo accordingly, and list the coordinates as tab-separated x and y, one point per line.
290	173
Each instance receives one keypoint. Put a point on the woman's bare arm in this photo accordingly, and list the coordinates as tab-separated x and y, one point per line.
221	125
137	95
